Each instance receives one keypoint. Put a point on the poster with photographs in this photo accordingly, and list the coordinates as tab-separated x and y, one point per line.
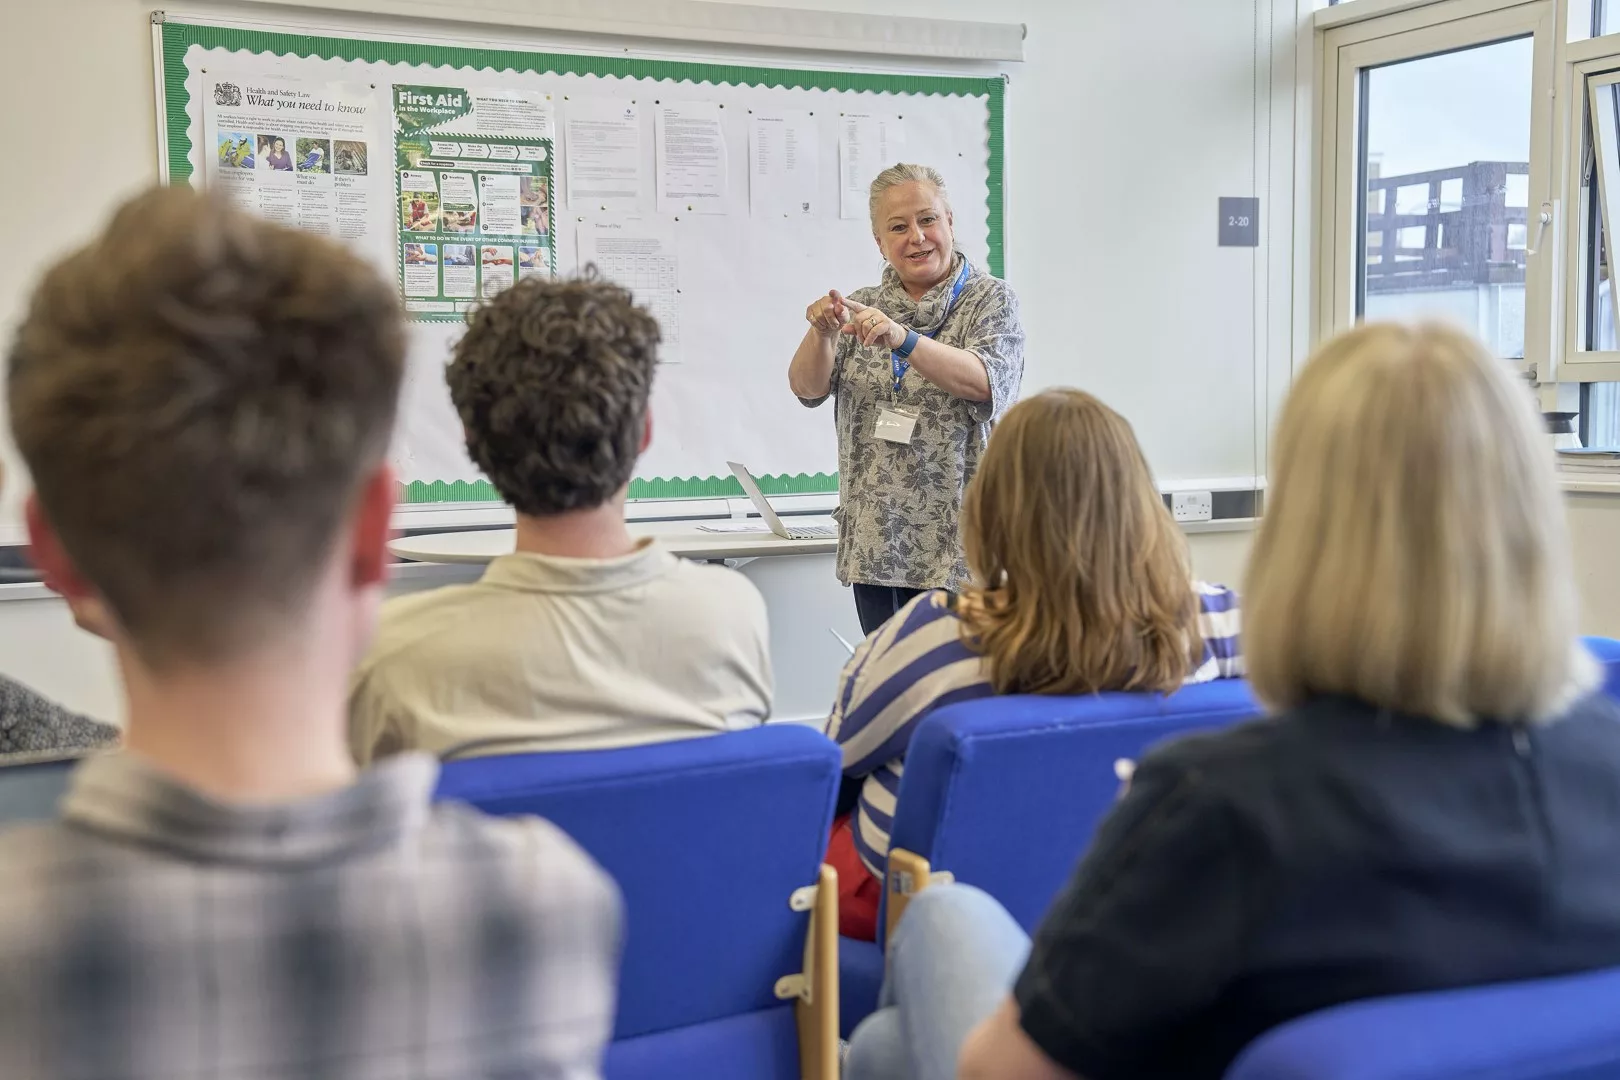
294	150
474	183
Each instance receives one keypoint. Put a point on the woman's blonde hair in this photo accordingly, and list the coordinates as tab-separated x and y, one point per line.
903	173
1083	581
1413	552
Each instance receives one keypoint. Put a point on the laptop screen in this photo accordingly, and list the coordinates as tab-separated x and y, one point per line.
757	497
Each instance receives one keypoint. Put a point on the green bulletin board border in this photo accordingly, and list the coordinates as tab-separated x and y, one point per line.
180	36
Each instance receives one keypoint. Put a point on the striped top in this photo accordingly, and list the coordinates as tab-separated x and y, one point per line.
917	662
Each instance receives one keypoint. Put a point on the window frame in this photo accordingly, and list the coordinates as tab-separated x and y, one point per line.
1353	38
1590	65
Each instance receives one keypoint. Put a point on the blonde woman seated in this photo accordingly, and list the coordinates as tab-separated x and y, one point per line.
1431	806
1082	585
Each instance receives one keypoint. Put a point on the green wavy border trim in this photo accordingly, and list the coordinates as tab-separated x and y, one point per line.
713	487
180	36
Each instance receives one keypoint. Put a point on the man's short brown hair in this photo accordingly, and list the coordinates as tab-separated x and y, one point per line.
199	395
551	381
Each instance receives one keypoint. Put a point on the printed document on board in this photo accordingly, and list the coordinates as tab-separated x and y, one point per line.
691	157
602	152
784	158
867	144
638	253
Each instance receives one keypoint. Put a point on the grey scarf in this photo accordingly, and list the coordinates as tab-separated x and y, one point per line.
926	316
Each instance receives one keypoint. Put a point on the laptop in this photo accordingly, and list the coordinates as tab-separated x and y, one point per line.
763	505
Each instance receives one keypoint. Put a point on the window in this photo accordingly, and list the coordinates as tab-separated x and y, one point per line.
1434	170
1600	316
1605	17
1469	166
1445	161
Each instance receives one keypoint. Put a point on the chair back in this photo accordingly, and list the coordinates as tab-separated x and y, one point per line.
1607	652
1564	1028
708	839
1005	792
31	786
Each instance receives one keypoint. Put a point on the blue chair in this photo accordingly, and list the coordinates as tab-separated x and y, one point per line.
1005	792
1564	1028
730	960
32	786
1607	651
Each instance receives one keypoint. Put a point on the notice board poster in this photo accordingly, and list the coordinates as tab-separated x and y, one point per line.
473	174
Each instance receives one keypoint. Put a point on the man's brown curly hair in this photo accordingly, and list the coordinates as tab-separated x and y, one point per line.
551	381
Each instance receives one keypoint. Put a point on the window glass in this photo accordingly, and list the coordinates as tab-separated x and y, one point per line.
1445	159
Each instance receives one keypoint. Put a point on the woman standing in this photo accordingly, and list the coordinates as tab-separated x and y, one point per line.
919	368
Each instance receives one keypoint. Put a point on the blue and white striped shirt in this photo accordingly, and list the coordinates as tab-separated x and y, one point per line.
917	662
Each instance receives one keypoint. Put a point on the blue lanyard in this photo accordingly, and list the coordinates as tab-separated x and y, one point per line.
902	366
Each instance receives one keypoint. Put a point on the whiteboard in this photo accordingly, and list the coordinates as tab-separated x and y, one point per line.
744	276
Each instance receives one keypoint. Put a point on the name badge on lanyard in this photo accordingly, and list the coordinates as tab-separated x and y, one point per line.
896	425
901	366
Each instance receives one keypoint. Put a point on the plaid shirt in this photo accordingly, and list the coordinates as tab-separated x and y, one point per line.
153	934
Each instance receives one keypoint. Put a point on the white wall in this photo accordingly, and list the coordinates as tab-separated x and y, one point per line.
1125	124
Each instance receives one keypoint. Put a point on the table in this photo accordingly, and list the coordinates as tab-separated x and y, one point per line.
683	538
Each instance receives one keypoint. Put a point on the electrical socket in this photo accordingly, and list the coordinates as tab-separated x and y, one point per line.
1192	506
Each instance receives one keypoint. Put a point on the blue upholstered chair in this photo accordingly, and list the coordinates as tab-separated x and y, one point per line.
1550	1029
1005	792
1607	651
32	785
730	961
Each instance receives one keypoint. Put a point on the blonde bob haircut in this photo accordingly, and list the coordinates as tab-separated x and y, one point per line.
1082	578
1413	553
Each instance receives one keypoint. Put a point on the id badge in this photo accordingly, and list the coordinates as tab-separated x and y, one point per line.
896	426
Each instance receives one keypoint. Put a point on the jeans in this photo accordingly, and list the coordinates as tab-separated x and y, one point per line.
953	959
877	604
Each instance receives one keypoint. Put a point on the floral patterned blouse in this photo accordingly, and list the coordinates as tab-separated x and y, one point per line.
899	505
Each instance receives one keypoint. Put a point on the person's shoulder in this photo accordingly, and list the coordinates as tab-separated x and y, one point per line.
933	607
930	626
866	294
988	288
1595	710
56	874
1589	729
1214	598
1242	759
35	850
714	590
408	624
1292	750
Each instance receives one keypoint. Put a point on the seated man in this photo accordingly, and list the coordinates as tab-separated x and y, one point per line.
204	400
584	637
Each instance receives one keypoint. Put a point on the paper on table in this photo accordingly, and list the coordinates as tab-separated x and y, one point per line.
867	144
639	254
783	160
691	157
603	154
735	527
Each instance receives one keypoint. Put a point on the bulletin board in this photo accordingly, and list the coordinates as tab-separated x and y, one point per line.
726	198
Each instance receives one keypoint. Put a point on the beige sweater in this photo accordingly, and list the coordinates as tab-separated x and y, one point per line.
549	653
